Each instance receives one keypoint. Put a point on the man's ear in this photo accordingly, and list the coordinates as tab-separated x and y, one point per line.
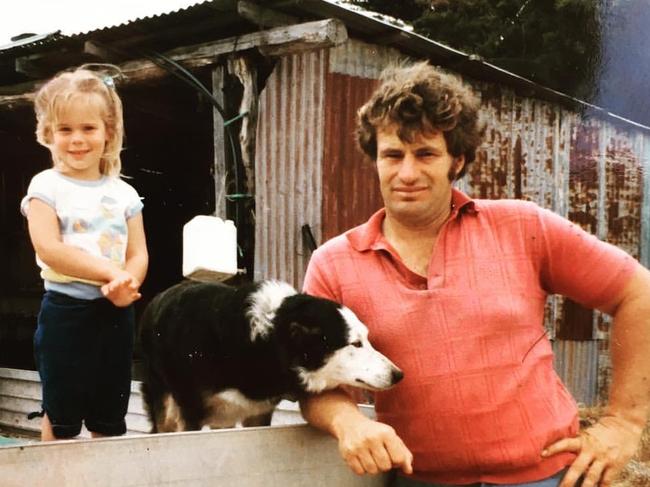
459	163
456	167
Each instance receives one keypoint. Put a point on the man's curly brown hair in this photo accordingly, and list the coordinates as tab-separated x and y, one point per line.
420	98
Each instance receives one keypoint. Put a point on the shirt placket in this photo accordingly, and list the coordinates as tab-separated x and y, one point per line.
436	272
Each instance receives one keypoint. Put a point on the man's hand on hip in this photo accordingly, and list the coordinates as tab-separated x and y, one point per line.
603	451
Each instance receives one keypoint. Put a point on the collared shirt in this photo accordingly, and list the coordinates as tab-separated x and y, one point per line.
480	398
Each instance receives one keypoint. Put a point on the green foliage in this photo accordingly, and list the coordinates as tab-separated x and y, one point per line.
553	42
595	50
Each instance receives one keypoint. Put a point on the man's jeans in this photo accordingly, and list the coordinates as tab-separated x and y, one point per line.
553	481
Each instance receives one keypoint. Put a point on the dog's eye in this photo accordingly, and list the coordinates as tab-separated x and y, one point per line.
356	344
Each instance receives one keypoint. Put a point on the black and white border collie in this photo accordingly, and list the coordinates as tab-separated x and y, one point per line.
216	355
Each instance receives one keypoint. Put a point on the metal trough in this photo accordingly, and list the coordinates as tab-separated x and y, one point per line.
284	455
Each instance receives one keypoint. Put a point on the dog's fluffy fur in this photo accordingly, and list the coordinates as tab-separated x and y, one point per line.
216	355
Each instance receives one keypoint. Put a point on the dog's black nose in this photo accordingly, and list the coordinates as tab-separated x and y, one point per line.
397	376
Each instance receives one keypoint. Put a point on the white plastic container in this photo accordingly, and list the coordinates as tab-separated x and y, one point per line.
209	248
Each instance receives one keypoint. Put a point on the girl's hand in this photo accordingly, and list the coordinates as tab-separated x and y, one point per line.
122	290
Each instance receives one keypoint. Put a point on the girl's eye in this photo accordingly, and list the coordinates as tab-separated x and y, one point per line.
64	130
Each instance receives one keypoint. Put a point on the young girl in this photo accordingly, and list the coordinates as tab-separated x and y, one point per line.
85	224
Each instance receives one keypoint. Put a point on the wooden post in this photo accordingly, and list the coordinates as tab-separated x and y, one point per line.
219	145
244	69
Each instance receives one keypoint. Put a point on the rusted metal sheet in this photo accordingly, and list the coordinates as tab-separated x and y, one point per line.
351	192
593	171
350	189
289	154
492	174
576	362
643	145
589	169
584	175
623	175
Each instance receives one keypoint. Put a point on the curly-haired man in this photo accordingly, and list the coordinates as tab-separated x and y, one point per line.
453	291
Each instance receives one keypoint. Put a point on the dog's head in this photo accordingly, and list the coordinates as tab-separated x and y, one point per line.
327	346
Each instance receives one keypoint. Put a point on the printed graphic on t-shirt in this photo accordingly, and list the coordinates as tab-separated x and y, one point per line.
111	244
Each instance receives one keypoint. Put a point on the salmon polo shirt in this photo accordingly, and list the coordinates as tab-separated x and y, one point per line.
480	398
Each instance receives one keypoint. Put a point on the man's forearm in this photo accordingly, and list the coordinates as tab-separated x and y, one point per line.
327	410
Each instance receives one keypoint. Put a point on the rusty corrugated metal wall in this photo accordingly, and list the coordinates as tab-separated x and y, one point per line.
592	170
288	165
589	170
354	193
301	146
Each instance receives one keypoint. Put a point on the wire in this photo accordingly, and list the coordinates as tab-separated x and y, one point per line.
187	77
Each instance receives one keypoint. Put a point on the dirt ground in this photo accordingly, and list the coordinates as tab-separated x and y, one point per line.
637	472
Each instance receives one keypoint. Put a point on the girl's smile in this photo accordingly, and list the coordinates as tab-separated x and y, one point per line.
79	138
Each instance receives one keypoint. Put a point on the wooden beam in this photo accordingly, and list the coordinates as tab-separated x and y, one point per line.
102	52
13	101
273	42
261	16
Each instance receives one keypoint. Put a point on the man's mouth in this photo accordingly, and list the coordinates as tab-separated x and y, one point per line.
409	192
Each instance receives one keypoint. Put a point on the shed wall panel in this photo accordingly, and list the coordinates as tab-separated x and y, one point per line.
352	193
592	171
589	169
288	165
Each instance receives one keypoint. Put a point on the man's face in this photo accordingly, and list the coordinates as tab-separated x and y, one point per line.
415	178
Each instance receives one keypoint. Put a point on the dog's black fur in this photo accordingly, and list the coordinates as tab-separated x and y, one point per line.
197	342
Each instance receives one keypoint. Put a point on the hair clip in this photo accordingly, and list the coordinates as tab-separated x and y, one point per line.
108	81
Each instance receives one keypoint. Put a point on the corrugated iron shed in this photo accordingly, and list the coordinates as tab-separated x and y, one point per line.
541	145
222	18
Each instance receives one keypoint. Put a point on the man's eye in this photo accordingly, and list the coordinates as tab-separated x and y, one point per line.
356	344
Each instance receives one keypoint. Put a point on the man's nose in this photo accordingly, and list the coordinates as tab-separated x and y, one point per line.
408	170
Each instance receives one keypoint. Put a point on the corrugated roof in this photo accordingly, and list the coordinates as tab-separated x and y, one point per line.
198	23
90	26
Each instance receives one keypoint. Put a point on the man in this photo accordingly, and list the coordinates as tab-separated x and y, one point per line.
453	291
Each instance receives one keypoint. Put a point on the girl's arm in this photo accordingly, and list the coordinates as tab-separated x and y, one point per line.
124	289
46	238
137	258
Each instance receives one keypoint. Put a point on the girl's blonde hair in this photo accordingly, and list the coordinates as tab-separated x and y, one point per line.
57	92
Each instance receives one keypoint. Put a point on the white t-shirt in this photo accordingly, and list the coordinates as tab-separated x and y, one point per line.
92	217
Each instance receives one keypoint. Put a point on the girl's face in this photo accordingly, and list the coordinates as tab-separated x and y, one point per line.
79	138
